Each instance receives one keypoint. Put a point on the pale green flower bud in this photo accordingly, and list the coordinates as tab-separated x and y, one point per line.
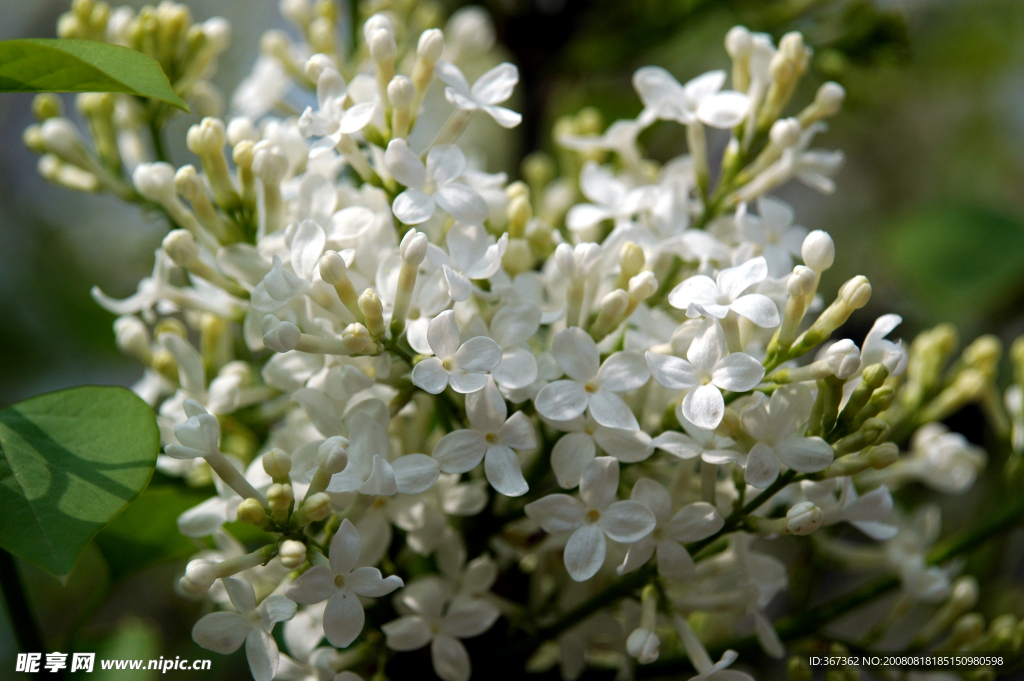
292	553
373	312
181	246
252	512
132	338
277	465
318	506
804	518
819	251
199	577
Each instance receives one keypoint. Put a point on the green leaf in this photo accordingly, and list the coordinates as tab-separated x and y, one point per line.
63	65
70	462
147	532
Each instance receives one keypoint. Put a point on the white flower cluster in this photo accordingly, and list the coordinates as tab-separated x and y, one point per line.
638	356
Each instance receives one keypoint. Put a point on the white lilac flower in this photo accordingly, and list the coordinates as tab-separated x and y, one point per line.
611	199
472	254
583	437
698	655
691	523
620	137
464	366
707	370
592	517
592	385
867	513
426	619
492	439
701	99
939	459
225	632
432	185
512	327
906	553
701	295
877	349
778	425
340	584
709	446
489	90
774	233
332	120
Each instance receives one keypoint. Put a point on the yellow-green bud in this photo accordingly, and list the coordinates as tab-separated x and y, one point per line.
277	465
318	506
251	511
45	106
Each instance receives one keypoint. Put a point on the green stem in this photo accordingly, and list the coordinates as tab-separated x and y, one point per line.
156	133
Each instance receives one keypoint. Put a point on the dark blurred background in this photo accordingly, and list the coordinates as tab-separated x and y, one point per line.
929	205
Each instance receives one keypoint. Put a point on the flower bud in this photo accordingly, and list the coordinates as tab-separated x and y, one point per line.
317	64
251	511
292	553
401	92
331	455
518	257
218	33
269	163
241	128
333	268
356	338
280	497
382	45
132	338
804	518
519	213
275	44
818	251
631	259
280	336
299	12
45	106
566	260
61	138
181	247
413	250
614	304
378	21
965	593
643	644
431	45
642	286
785	132
830	98
802	282
277	464
155	181
739	43
206	137
884	455
373	312
318	506
199	577
843	358
966	629
856	292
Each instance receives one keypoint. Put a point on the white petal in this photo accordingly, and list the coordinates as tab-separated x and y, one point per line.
584	552
404	165
468	617
704	406
556	512
464	382
367	581
694	522
805	454
628	446
276	608
514	325
486	409
381	481
495	86
478	354
451	75
637	556
611	411
204	519
758	308
707	347
413	207
313	586
503	471
345	548
262	655
762	466
699	289
407	633
561	400
445	163
307	247
506	118
570	456
677	444
577	354
674	561
705	85
672	372
627	521
415	473
724	109
735	280
343	618
518	432
320	409
241	594
460	288
623	371
221	632
460	451
451	661
356	118
600	482
429	376
462	202
585	215
738	372
655	497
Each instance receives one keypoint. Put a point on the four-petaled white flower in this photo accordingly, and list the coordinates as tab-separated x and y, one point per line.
778	424
489	90
612	198
491	439
701	295
592	517
707	370
433	185
463	366
701	99
472	254
225	632
426	620
773	231
340	584
591	384
701	661
691	523
332	119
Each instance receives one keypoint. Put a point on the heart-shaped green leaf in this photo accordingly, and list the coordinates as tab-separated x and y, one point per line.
70	461
64	65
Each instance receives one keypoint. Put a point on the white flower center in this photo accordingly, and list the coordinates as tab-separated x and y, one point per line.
592	387
339	581
592	516
448	364
429	186
492	438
